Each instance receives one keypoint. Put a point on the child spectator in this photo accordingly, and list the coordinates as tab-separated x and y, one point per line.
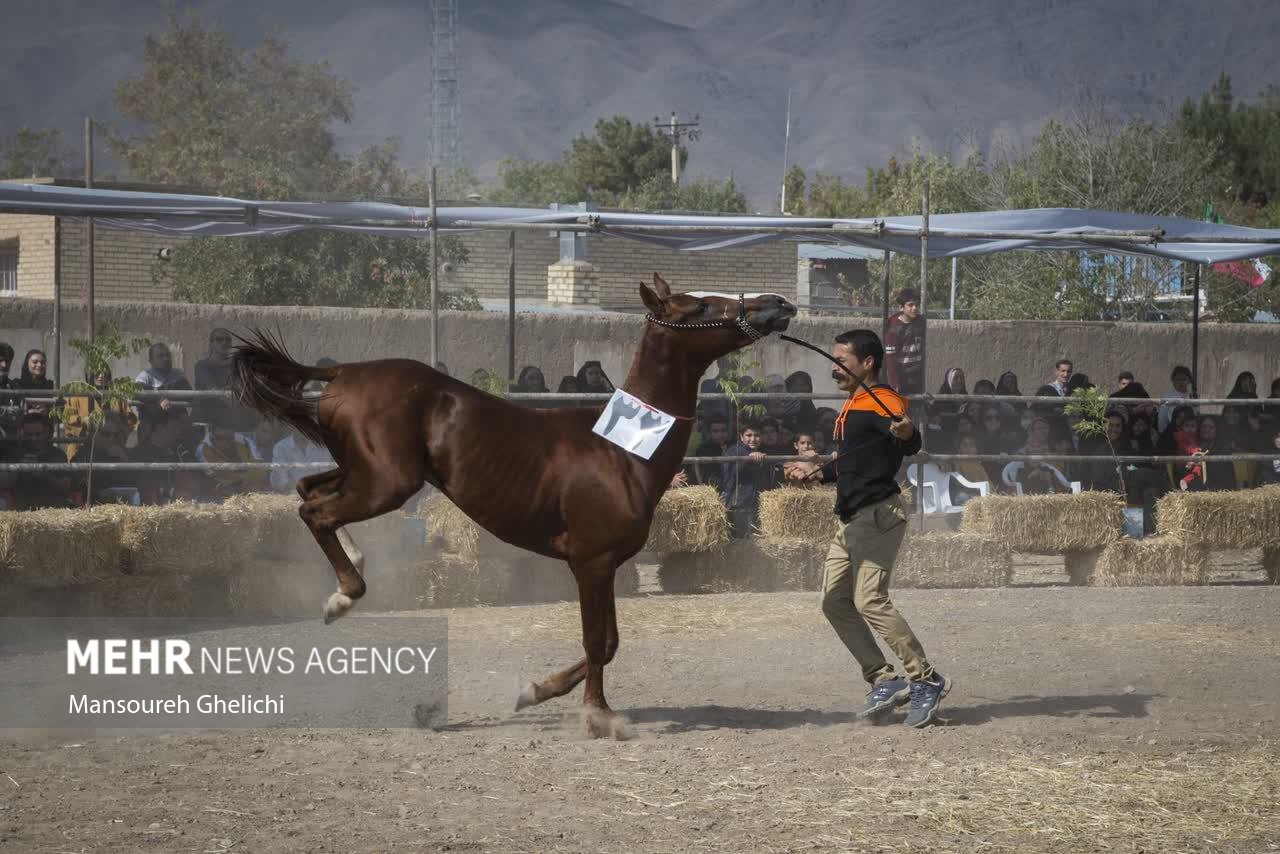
904	344
742	483
34	376
803	473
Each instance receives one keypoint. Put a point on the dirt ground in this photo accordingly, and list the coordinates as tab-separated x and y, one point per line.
1081	720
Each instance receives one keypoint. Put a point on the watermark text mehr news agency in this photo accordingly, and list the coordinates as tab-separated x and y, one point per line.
173	657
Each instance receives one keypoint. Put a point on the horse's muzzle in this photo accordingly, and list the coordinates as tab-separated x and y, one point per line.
774	316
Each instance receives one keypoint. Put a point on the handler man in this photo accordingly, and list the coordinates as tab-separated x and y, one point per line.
869	451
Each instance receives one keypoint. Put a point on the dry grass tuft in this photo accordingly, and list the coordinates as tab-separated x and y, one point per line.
952	560
1245	519
1046	523
800	514
688	519
58	548
1152	561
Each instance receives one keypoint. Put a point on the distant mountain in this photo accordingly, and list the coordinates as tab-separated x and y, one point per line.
866	77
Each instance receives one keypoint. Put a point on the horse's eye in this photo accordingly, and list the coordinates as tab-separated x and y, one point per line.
702	305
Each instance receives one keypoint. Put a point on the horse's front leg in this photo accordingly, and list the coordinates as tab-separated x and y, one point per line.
600	641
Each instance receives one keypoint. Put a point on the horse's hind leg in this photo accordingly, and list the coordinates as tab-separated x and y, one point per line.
323	487
358	496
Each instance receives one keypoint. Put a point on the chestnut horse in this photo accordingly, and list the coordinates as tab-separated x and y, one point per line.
539	479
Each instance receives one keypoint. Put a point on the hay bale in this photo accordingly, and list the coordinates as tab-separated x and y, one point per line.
688	519
798	563
1243	519
451	530
1080	566
738	566
57	548
952	560
1151	562
278	534
455	582
1046	523
788	513
184	538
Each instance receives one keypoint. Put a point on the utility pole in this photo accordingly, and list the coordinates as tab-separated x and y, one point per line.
676	129
89	225
786	145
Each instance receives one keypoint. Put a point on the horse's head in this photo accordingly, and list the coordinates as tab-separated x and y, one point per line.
712	323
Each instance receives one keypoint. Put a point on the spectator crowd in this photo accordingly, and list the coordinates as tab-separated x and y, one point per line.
59	429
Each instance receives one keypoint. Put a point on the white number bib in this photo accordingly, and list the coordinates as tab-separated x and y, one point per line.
633	425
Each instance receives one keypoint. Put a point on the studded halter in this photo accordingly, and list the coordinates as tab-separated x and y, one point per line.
740	322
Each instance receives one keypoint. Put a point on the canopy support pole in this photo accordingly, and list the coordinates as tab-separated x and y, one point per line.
511	310
884	307
89	223
1195	334
435	276
924	329
57	302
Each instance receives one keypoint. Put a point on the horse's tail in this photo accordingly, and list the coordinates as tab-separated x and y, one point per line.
266	378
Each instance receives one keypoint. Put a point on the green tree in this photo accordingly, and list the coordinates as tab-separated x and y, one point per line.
1090	406
255	123
260	123
701	195
621	164
619	156
35	153
311	268
532	182
106	346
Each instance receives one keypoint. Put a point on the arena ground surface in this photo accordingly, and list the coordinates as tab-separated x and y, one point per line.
1082	720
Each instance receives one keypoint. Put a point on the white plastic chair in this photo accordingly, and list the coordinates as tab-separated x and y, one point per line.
936	492
1010	478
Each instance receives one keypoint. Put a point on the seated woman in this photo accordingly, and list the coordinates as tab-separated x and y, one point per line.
1206	477
79	408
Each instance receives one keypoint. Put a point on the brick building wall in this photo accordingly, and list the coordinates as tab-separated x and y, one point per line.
34	238
620	265
124	260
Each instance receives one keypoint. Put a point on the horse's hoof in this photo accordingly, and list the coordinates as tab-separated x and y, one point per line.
604	723
338	604
528	696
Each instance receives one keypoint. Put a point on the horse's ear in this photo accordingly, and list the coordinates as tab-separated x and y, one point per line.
651	300
660	285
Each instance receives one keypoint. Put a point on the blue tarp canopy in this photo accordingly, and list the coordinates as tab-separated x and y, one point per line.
1044	229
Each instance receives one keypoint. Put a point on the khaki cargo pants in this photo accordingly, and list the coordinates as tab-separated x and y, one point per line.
855	592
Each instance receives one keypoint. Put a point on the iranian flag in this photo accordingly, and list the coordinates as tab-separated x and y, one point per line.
1252	273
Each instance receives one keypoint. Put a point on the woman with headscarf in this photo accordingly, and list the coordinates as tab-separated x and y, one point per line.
1245	387
953	384
35	366
1008	384
593	380
531	381
79	408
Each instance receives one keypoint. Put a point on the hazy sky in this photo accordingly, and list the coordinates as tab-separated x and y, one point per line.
865	81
